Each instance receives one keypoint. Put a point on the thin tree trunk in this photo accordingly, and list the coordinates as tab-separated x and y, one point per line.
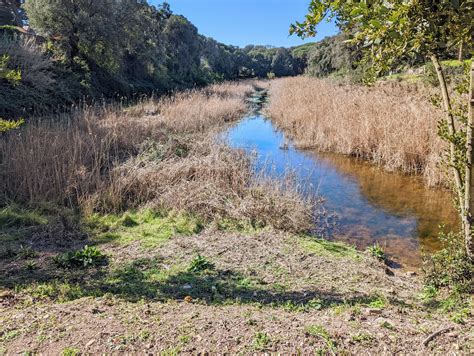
461	51
469	179
452	130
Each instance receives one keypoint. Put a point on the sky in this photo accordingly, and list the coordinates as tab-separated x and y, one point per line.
243	22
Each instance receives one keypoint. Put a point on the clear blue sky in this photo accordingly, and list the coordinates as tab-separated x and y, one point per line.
242	22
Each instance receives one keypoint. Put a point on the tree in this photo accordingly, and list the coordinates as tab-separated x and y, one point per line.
393	30
183	49
80	28
282	63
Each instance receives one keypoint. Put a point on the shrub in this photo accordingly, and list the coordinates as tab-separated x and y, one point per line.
85	258
200	264
451	267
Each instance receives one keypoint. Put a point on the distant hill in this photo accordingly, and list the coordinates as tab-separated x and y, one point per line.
304	50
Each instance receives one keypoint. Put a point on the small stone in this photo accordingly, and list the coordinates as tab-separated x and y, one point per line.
187	286
373	311
411	273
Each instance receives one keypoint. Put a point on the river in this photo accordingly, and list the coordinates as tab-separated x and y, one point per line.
370	205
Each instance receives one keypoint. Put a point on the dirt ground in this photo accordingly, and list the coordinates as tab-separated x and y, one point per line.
218	292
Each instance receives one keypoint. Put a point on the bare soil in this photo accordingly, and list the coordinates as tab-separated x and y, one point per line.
267	292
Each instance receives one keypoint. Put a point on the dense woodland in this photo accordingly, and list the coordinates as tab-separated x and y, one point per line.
73	50
78	49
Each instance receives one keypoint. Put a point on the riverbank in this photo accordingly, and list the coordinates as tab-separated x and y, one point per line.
392	125
162	284
151	237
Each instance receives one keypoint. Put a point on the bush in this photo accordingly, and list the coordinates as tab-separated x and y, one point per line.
87	257
451	267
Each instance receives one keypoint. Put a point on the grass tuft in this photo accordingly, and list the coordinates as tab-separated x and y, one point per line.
328	248
12	216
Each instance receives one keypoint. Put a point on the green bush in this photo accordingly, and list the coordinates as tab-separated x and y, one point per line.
451	267
85	258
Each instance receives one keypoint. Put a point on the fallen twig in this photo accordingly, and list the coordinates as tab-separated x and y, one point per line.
435	334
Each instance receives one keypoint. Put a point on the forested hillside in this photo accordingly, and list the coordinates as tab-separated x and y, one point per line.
77	49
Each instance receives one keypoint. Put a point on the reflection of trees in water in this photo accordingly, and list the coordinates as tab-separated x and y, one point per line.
402	196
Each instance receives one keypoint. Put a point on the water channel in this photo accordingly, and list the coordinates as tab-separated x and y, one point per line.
370	205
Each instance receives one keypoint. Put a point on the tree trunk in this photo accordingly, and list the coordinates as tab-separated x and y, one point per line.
452	130
469	179
461	51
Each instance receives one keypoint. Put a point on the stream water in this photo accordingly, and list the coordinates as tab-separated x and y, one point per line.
370	205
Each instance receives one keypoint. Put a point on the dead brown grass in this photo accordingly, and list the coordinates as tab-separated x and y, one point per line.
161	153
393	126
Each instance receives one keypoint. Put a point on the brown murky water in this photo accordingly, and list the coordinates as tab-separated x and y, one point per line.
371	205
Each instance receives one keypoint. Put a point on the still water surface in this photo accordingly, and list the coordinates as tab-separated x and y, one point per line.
370	205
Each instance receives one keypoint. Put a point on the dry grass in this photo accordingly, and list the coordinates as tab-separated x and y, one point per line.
195	110
393	126
160	153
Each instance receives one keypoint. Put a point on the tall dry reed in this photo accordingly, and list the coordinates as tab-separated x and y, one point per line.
160	153
393	126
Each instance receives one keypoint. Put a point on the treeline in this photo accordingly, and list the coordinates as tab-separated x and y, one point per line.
83	48
336	56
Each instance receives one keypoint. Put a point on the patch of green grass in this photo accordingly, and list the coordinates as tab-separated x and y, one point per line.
362	337
261	341
459	309
173	351
9	335
13	216
328	248
455	63
184	339
461	316
321	332
339	309
378	302
54	290
428	295
71	351
412	78
150	227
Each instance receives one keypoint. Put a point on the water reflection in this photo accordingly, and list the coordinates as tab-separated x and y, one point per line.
372	205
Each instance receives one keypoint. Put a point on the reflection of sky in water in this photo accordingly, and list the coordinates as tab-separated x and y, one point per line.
360	221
